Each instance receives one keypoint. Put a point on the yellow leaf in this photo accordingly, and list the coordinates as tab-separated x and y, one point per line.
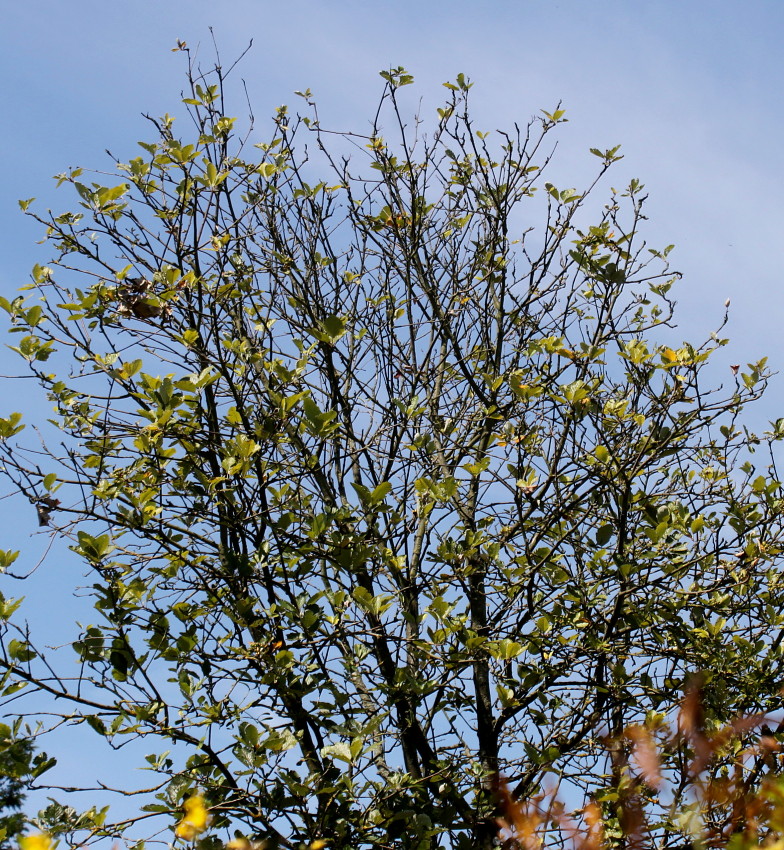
41	841
194	822
245	844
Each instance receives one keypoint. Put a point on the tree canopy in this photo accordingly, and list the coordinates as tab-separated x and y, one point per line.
388	478
17	764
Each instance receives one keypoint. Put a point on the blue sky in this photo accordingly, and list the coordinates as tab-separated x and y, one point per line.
689	88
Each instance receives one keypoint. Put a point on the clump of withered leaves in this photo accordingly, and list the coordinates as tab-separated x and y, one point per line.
737	808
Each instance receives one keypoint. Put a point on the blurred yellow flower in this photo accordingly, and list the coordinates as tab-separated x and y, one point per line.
36	842
193	824
245	844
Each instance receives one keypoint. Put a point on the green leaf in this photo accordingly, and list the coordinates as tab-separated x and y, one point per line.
604	533
280	740
397	77
477	467
41	273
21	651
8	606
96	723
10	426
543	624
331	329
380	493
104	197
321	422
341	751
356	747
371	604
41	763
94	549
7	557
507	649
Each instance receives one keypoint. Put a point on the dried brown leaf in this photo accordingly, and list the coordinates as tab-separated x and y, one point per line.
646	754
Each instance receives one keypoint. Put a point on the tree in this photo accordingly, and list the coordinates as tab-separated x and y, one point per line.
389	479
16	755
